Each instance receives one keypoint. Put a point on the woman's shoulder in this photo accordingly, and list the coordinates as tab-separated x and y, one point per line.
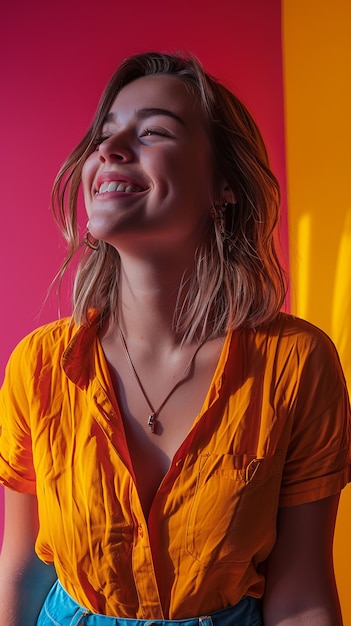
48	335
35	357
301	339
291	328
43	347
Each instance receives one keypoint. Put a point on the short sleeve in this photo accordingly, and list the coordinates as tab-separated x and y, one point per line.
318	457
16	460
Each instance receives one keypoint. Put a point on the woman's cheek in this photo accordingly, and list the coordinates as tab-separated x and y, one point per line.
88	174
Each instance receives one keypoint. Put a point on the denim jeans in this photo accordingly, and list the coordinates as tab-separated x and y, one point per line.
60	609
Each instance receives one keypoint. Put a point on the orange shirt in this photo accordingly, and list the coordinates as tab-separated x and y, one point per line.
274	430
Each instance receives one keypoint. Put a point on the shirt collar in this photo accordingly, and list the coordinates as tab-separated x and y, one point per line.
77	360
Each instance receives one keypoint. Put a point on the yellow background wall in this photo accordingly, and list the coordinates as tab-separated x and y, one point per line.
317	68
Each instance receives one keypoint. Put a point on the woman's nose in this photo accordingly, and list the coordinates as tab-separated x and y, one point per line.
115	148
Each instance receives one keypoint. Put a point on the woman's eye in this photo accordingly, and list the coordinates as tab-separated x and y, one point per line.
148	132
99	140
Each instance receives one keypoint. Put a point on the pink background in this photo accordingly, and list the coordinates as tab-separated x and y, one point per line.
56	59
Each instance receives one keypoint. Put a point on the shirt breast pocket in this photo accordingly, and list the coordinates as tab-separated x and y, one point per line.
233	510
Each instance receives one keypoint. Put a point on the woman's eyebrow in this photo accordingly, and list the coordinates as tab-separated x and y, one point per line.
142	114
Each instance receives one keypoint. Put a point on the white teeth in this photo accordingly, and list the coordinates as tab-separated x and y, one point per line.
112	186
103	188
119	186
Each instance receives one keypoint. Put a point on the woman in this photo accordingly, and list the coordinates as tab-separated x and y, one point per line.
178	447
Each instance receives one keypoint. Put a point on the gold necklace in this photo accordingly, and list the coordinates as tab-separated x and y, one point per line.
155	412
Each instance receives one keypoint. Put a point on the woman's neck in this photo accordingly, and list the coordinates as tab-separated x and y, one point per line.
149	296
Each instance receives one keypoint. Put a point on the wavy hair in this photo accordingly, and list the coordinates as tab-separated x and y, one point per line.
236	282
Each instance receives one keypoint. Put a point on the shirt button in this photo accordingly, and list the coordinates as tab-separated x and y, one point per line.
140	530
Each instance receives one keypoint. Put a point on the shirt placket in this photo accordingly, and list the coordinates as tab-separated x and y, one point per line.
142	563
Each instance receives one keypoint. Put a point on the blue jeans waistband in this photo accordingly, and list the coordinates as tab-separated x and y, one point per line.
60	609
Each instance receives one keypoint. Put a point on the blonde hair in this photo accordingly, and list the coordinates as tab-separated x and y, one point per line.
237	282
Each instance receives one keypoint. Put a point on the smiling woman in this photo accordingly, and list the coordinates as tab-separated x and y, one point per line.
177	447
238	160
156	159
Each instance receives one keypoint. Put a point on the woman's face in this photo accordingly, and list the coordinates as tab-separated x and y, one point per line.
150	180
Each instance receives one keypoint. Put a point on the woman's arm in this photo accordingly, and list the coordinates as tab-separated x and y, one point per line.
24	579
301	587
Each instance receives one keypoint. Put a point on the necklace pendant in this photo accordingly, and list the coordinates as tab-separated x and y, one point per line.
152	423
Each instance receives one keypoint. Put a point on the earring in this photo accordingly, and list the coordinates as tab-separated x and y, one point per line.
217	212
91	243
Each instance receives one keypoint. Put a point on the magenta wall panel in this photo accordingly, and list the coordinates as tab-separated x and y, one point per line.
56	58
